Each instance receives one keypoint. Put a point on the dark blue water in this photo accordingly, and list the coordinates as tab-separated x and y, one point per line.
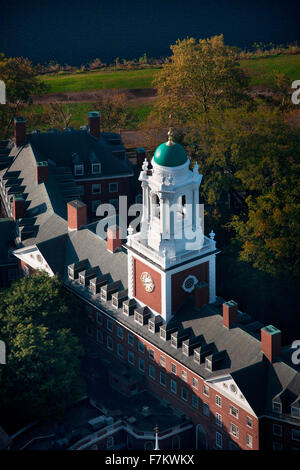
76	31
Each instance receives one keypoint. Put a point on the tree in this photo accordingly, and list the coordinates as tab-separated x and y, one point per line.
58	115
113	111
38	324
21	83
199	76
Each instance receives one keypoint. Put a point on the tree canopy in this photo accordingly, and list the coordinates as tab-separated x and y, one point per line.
200	75
38	322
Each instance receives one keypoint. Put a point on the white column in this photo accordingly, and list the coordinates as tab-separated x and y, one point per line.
130	275
212	279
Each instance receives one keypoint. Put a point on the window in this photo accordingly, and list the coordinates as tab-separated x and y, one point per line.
163	379
173	386
173	368
205	409
218	401
113	187
195	401
296	434
234	430
80	190
96	168
277	430
219	442
206	390
195	383
120	350
141	347
141	363
249	440
130	339
295	412
163	334
249	422
184	375
99	336
95	205
109	343
120	332
162	361
152	372
174	341
99	318
130	357
234	411
26	271
276	407
218	420
78	170
110	442
96	188
109	325
151	354
184	394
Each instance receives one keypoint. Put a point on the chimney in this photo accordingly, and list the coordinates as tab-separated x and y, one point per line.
201	294
77	214
230	313
94	123
41	172
271	342
20	130
18	206
114	238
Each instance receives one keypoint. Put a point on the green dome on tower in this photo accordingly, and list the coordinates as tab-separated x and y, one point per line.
170	153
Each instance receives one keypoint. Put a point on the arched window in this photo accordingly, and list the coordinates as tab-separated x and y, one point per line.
155	206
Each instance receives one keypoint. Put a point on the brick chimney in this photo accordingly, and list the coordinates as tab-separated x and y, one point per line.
94	123
41	172
271	342
20	130
18	206
230	313
201	294
114	238
77	214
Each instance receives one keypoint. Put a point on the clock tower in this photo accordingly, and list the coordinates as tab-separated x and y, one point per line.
170	256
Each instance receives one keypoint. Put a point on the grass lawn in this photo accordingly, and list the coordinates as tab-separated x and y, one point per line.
261	71
88	81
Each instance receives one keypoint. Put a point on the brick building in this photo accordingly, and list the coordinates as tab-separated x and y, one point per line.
152	304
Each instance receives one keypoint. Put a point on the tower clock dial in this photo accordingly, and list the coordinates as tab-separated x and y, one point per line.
148	282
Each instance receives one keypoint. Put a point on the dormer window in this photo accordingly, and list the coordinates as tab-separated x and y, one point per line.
276	407
96	168
295	412
79	169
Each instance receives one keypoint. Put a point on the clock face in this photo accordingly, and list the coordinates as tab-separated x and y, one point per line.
147	282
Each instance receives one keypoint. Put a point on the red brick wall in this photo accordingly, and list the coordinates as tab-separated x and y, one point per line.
152	299
197	416
178	294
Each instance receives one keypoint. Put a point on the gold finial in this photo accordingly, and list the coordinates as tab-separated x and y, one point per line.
170	137
156	429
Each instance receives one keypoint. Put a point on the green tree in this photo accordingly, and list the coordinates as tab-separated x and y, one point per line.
113	111
21	83
200	75
42	374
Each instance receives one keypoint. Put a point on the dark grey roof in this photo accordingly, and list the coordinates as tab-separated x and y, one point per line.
7	228
60	147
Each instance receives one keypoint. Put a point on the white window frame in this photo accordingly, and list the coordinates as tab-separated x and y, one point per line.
109	338
274	405
173	366
184	375
234	430
120	350
234	411
130	339
79	169
219	440
109	325
173	386
249	440
249	420
141	347
195	383
183	389
219	420
141	361
152	368
205	406
195	401
206	390
162	361
163	383
130	357
218	401
120	332
98	164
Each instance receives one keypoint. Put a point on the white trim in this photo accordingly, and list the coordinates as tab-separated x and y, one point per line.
105	177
